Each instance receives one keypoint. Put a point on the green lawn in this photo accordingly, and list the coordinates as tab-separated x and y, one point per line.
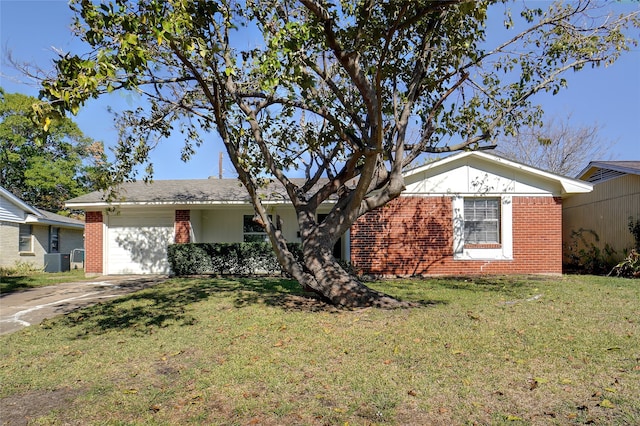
511	351
17	281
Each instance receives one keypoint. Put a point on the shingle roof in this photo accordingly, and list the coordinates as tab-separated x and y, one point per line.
187	191
603	170
35	215
52	218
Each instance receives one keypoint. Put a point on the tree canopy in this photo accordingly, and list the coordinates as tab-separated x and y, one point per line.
45	168
347	93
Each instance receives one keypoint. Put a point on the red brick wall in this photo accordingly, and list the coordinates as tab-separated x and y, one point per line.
414	236
93	243
182	226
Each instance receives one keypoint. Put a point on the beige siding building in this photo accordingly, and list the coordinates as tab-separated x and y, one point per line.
602	216
27	234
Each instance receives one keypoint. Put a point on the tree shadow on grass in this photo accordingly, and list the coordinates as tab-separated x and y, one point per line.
10	284
168	303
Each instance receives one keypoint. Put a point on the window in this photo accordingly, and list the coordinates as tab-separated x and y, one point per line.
55	240
253	232
481	220
25	239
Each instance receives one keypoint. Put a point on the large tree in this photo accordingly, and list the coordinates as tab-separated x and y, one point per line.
557	146
346	93
45	168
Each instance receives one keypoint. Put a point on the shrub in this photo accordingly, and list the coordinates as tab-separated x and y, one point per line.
587	257
629	267
226	258
20	268
634	228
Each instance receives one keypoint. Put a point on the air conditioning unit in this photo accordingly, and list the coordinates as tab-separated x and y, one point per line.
56	262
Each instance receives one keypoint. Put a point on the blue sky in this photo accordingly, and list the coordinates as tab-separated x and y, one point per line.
30	29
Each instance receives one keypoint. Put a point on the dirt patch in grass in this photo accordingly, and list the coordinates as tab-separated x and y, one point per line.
19	410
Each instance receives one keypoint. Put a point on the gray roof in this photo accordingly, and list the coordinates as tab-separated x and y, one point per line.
56	219
35	215
601	170
185	191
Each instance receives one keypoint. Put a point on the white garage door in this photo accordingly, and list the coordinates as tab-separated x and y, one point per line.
138	244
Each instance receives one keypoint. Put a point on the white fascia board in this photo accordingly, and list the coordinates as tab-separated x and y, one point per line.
568	185
43	221
18	202
105	205
475	194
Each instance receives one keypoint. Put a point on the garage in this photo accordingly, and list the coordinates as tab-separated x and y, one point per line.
137	244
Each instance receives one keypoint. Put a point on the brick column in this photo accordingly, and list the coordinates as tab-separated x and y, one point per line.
93	243
183	226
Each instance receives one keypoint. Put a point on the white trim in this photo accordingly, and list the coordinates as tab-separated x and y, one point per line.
18	202
505	252
568	185
175	204
465	194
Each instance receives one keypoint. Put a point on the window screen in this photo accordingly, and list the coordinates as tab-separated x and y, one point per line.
482	220
25	240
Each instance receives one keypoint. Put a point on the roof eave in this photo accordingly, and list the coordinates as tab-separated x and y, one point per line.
177	203
568	185
600	165
43	221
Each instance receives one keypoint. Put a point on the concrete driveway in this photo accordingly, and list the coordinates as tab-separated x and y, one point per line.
24	308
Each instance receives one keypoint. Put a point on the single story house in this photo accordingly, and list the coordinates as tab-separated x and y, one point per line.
27	234
471	212
606	210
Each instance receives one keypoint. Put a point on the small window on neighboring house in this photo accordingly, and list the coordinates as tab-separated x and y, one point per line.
253	231
481	220
25	243
55	240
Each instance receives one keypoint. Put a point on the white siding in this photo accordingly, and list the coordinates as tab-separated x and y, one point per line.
478	177
9	212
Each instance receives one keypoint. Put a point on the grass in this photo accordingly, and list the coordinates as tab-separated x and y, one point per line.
16	280
517	351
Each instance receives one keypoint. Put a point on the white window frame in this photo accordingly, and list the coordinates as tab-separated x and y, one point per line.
262	233
22	237
505	249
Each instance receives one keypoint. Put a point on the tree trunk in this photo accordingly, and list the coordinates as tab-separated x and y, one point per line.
335	284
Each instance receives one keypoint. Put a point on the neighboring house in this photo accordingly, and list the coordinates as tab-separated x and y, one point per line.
469	213
606	210
28	233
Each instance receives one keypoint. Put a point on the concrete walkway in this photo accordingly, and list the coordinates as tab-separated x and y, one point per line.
24	308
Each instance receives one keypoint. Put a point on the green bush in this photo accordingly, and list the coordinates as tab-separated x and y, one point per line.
585	257
629	267
20	268
226	258
634	228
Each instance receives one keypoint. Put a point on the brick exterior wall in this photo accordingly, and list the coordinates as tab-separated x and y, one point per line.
93	243
183	227
414	236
